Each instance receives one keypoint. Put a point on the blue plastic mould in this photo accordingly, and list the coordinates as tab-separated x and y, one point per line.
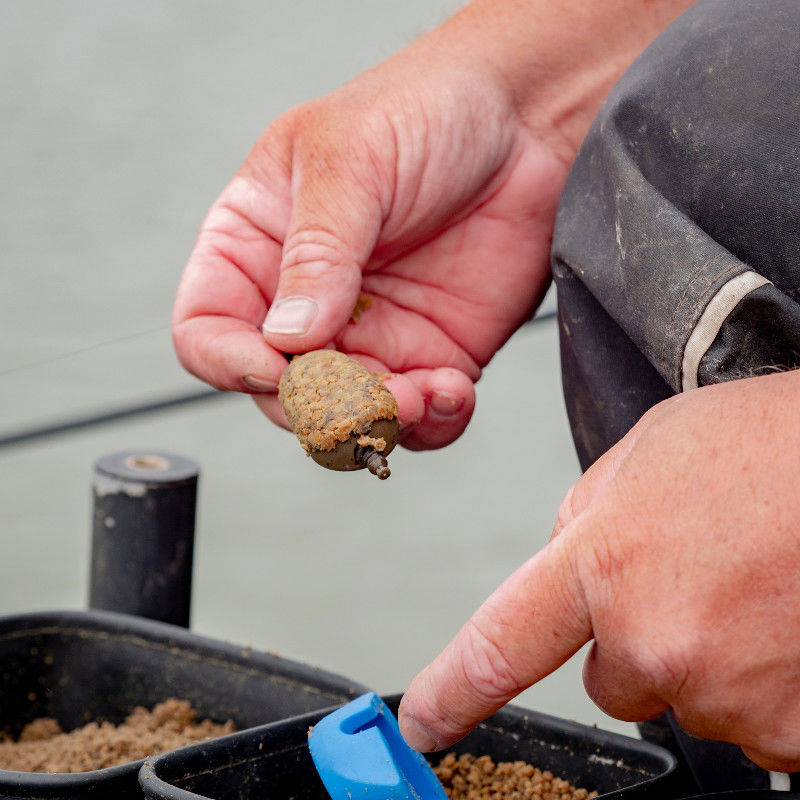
359	753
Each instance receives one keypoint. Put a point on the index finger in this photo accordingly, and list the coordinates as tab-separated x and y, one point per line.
533	623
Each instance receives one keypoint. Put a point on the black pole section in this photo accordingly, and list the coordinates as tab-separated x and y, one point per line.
143	535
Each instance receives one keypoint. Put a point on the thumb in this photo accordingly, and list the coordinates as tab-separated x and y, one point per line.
534	622
333	227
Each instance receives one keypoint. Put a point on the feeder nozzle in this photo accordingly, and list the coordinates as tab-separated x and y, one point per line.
374	461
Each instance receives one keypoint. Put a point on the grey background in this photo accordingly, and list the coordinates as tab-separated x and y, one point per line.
120	123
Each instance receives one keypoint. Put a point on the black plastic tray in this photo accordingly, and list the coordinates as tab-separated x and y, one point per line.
79	666
272	762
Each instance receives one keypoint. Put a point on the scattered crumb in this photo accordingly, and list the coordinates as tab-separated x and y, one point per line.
362	304
378	444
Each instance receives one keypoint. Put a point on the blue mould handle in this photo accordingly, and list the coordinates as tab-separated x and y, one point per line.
359	753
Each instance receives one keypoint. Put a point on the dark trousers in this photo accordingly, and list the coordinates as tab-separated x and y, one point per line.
676	253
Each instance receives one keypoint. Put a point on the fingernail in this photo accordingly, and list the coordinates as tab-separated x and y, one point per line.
416	734
293	315
257	385
446	405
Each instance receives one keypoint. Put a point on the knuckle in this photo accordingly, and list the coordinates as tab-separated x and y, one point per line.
286	126
709	719
270	157
485	669
615	545
709	707
566	512
667	669
603	563
205	357
190	348
315	244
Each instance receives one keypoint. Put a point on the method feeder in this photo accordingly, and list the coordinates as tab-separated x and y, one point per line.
344	417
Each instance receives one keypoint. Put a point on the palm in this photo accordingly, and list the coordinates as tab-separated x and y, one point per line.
454	300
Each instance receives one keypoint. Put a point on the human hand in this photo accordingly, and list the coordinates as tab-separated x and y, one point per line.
421	189
678	553
430	183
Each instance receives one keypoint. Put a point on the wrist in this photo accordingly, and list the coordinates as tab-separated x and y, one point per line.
558	59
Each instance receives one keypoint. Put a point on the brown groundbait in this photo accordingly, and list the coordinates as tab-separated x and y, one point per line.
344	417
470	778
43	747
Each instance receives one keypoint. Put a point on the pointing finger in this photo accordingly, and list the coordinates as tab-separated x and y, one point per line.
529	626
